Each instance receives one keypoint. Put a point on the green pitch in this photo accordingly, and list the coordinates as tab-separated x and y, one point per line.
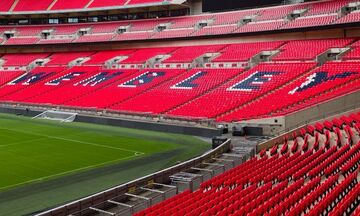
34	152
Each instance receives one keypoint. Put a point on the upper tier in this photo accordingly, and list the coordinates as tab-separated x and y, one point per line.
244	21
58	5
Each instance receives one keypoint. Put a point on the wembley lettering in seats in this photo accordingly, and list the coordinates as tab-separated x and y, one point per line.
96	79
144	78
189	83
254	81
66	77
29	78
319	78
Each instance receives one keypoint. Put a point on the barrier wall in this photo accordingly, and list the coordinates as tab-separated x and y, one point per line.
323	110
153	126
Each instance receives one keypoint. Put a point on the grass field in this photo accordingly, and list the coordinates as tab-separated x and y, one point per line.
34	153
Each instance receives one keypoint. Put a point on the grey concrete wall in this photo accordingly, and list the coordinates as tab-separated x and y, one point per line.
321	111
161	127
195	7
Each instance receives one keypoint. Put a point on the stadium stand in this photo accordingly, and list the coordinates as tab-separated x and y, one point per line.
22	40
188	54
178	91
287	77
93	38
267	19
224	70
23	5
22	59
63	59
243	52
66	5
123	89
59	76
6	5
342	76
309	48
8	76
101	57
142	55
295	177
34	77
239	91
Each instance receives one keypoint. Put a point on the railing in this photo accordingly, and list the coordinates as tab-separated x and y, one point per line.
158	177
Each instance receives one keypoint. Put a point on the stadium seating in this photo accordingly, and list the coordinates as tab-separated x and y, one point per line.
216	30
279	182
260	26
310	21
133	68
6	5
8	76
326	7
101	57
29	31
106	3
328	81
22	59
243	52
23	5
67	29
90	80
187	22
178	91
265	19
285	85
21	83
350	18
143	35
142	55
105	27
144	1
126	88
57	78
243	89
278	12
55	41
64	59
232	17
174	33
66	4
188	54
309	48
354	53
94	38
22	40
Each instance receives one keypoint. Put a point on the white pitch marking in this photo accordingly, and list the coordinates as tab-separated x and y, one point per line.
22	142
72	140
71	171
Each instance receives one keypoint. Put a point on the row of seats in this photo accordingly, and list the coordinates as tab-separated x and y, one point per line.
267	19
268	89
45	5
323	83
243	52
316	8
283	182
